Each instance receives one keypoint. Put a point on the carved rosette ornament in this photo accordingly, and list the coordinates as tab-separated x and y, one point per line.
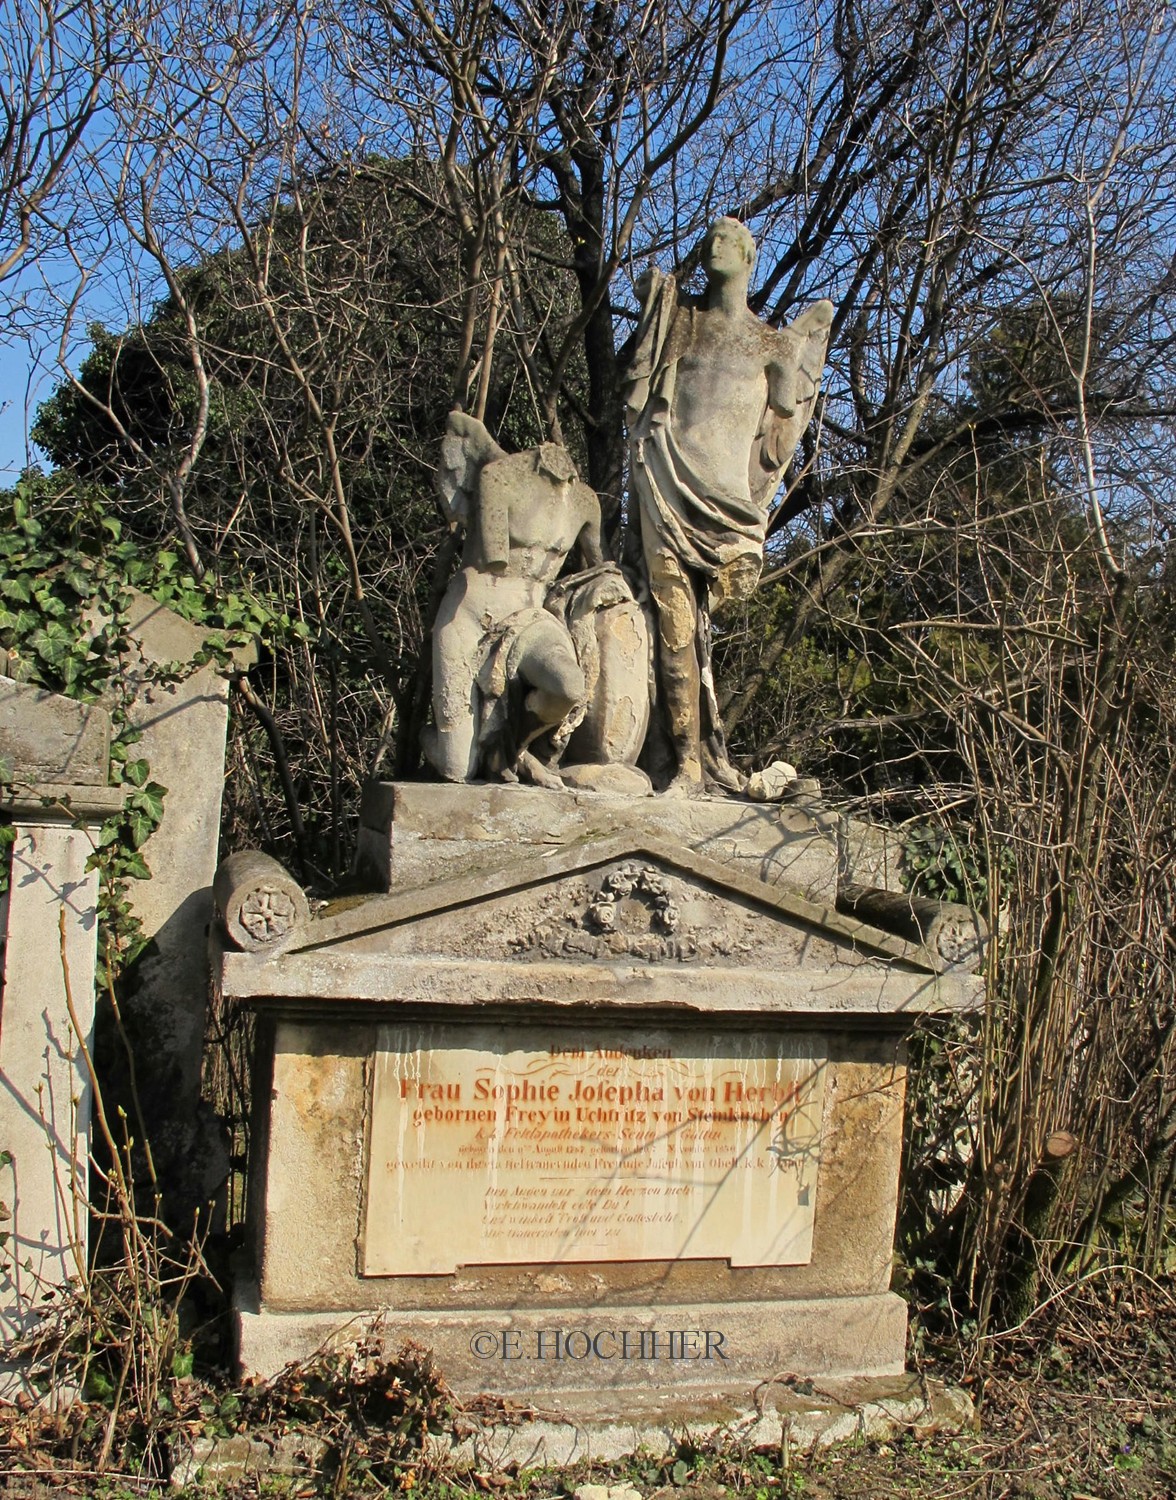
268	915
262	908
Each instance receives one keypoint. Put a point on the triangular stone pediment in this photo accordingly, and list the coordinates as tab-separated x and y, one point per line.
609	901
617	923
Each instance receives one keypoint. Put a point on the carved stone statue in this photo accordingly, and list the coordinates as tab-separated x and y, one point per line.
517	658
717	402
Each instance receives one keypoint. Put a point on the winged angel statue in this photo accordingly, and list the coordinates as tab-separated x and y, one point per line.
717	402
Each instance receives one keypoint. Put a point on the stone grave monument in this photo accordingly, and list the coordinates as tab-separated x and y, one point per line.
54	764
599	1092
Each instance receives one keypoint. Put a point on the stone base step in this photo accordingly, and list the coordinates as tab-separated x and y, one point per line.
530	1354
568	1429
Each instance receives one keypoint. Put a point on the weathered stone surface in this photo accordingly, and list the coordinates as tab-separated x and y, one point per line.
261	906
494	643
566	937
650	1145
49	959
413	833
957	934
750	1341
314	1114
605	1492
773	782
717	402
569	1429
616	780
324	982
870	854
60	802
208	1460
614	645
702	909
183	725
537	933
519	659
47	738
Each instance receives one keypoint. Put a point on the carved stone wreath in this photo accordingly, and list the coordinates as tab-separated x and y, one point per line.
631	914
642	883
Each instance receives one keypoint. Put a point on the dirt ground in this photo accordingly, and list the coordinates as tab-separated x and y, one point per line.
1080	1404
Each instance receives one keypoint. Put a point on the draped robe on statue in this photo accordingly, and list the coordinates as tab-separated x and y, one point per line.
700	503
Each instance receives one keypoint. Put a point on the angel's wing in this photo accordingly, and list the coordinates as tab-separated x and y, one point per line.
811	330
466	449
794	381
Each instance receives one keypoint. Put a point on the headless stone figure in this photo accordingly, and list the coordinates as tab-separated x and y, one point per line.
504	668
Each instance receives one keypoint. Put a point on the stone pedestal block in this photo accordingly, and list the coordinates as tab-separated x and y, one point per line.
692	1346
415	833
585	1101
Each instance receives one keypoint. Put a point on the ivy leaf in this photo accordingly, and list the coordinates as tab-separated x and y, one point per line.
17	587
48	648
140	827
150	800
136	772
98	1386
78	581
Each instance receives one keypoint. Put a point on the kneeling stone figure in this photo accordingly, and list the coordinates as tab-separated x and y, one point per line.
506	672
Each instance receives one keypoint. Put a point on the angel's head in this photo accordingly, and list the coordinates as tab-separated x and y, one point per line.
728	248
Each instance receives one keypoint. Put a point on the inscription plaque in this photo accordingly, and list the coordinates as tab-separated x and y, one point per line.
540	1147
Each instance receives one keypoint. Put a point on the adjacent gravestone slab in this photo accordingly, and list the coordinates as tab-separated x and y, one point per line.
45	738
495	1147
48	943
182	719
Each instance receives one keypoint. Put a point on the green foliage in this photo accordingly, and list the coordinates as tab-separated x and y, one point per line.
233	618
63	571
53	572
141	383
66	567
949	865
328	518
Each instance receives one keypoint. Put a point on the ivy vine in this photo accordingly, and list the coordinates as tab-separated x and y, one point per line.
66	571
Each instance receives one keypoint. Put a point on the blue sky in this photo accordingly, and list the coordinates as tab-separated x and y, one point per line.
22	385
